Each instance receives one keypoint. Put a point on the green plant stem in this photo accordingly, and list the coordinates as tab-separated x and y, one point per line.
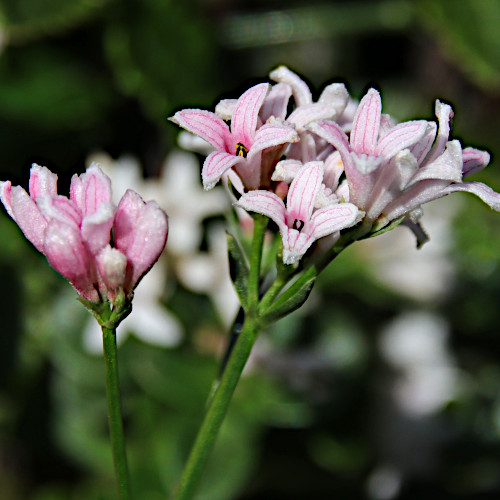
221	398
217	410
259	232
115	414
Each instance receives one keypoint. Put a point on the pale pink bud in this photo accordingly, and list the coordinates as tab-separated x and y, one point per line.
112	265
89	190
140	232
67	254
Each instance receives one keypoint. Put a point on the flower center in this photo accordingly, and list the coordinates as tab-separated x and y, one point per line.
298	224
241	150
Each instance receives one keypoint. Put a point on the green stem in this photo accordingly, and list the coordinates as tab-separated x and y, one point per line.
259	232
219	402
217	410
115	413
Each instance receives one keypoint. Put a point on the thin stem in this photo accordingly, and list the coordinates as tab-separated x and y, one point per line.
236	361
115	414
217	411
259	232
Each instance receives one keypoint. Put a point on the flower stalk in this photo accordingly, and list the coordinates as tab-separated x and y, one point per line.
115	419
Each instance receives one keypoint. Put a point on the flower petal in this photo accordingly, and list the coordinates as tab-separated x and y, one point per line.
447	166
246	114
6	195
474	160
276	102
140	232
112	265
265	203
96	228
295	244
301	92
28	216
400	137
272	134
481	190
90	189
444	114
366	123
333	218
215	165
333	134
67	254
308	113
303	191
204	124
286	170
42	182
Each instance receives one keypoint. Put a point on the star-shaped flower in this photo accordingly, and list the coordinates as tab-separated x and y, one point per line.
300	226
240	145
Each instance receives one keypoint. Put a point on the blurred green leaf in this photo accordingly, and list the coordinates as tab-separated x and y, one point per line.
50	89
468	31
26	20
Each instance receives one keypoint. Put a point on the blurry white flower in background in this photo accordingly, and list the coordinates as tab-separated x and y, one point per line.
207	273
415	343
425	274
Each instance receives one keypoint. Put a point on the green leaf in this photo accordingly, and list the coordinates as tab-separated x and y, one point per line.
238	268
385	229
290	300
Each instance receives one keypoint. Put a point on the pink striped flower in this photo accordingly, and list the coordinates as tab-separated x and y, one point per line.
239	146
299	224
75	233
393	169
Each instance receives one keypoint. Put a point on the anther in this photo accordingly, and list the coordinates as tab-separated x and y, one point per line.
298	224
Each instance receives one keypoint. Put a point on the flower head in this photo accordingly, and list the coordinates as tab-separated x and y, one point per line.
75	233
299	224
241	145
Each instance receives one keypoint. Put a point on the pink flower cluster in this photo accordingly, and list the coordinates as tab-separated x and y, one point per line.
101	249
336	161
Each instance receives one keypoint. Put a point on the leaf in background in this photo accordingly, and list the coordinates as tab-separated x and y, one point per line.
50	89
161	52
469	32
26	20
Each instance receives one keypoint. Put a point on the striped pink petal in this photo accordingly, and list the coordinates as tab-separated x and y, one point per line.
206	125
400	137
366	123
474	160
265	203
215	165
246	114
90	189
42	182
333	218
303	190
28	217
272	134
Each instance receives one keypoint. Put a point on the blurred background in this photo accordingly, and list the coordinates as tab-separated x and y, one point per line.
385	385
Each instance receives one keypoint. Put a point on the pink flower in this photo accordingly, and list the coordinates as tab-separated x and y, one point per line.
74	233
367	153
300	226
240	146
394	169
